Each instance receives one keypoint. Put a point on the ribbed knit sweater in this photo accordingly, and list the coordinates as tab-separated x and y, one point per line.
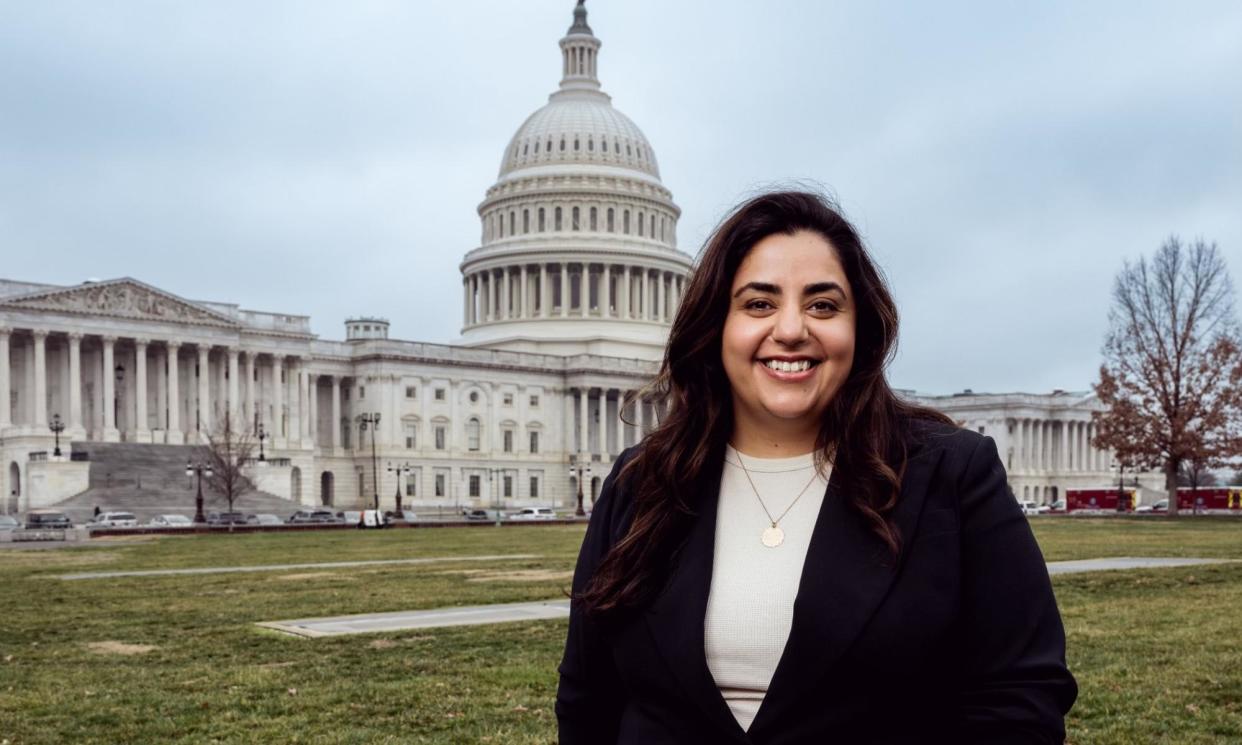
750	606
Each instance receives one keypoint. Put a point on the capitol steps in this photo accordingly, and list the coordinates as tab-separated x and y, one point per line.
150	480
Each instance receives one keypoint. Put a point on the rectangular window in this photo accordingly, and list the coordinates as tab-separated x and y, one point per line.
508	433
474	486
508	486
534	441
362	487
534	487
441	436
411	392
534	401
411	436
508	399
362	392
411	484
439	394
440	485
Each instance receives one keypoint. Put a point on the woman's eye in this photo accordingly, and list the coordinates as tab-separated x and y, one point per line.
758	305
823	306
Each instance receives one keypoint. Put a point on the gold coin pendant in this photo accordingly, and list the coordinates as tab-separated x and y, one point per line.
773	536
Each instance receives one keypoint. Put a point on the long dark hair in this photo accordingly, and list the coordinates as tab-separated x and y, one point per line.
863	428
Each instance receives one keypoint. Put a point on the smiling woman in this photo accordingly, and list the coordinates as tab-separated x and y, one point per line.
795	554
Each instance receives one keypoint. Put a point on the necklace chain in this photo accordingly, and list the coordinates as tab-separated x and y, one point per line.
775	520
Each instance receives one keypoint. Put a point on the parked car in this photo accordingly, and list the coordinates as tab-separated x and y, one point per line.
349	517
1057	506
170	521
8	522
533	513
113	520
1030	507
404	515
47	520
264	518
476	515
313	516
226	518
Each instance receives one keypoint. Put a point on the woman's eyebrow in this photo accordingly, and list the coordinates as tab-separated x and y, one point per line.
772	289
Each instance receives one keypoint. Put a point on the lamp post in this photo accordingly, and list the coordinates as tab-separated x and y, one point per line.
116	397
259	435
578	469
1120	467
199	469
401	469
495	477
57	426
373	419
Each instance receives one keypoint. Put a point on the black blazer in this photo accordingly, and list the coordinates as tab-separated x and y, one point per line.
959	640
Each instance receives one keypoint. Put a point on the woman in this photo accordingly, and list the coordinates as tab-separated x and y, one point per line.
795	555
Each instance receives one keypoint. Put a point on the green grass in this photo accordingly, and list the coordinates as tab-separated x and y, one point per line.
1156	652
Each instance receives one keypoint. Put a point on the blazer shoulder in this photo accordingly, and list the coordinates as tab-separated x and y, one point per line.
615	499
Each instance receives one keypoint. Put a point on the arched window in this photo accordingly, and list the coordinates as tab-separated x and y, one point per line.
536	147
594	220
640	223
612	228
616	147
574	218
590	144
525	148
549	145
663	226
472	434
512	222
628	151
562	144
525	221
625	222
576	148
650	232
501	220
542	222
557	220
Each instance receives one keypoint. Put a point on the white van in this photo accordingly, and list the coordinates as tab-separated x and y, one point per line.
534	513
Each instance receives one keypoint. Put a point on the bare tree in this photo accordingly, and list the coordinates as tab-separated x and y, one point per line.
1171	380
228	451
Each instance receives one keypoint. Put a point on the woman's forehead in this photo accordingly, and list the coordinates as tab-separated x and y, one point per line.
802	258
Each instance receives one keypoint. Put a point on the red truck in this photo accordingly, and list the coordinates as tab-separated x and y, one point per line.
1100	499
1206	498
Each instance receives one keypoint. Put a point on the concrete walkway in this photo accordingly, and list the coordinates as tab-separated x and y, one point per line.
369	623
286	567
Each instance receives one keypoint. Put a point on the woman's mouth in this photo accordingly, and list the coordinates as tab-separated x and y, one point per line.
789	370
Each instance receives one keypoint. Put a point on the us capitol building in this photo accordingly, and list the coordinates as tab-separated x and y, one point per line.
566	305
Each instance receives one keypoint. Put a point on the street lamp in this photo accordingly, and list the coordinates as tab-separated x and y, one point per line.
116	397
373	419
260	435
399	470
199	469
495	477
578	469
1120	467
57	426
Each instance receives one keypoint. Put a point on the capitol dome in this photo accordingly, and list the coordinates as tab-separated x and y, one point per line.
578	251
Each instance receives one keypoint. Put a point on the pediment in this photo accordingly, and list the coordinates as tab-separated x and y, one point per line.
119	298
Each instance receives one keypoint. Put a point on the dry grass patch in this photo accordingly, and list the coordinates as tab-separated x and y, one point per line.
306	575
512	575
115	647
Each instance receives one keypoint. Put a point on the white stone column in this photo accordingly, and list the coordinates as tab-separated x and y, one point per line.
1082	446
75	385
237	419
545	292
465	301
639	415
336	412
583	420
275	428
312	410
110	433
523	297
248	412
6	413
620	423
142	428
175	434
505	304
303	401
40	380
623	307
204	391
1019	443
565	290
605	292
584	290
646	312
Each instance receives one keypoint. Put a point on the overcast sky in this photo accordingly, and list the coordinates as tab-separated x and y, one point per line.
1001	158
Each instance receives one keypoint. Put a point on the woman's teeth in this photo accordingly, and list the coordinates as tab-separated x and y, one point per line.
782	366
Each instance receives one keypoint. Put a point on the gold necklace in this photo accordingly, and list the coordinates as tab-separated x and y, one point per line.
772	535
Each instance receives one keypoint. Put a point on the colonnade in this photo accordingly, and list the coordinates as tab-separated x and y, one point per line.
573	289
1053	445
158	390
594	428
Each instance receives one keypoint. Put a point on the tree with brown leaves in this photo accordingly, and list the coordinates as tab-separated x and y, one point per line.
1171	380
228	451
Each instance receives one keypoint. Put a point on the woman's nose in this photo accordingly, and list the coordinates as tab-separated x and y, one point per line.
789	326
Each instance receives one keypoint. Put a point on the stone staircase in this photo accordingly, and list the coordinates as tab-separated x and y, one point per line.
150	480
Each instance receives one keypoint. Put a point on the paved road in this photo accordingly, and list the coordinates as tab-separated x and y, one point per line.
286	567
369	623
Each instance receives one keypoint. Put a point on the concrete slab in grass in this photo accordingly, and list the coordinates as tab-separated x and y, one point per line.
1125	562
370	623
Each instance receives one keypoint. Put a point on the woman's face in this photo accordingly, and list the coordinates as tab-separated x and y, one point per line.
788	341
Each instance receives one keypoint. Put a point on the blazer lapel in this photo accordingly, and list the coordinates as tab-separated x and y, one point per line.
675	618
847	573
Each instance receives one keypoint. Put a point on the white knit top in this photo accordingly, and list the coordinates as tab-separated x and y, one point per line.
750	607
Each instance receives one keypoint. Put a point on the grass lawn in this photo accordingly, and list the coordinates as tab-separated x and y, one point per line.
178	659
